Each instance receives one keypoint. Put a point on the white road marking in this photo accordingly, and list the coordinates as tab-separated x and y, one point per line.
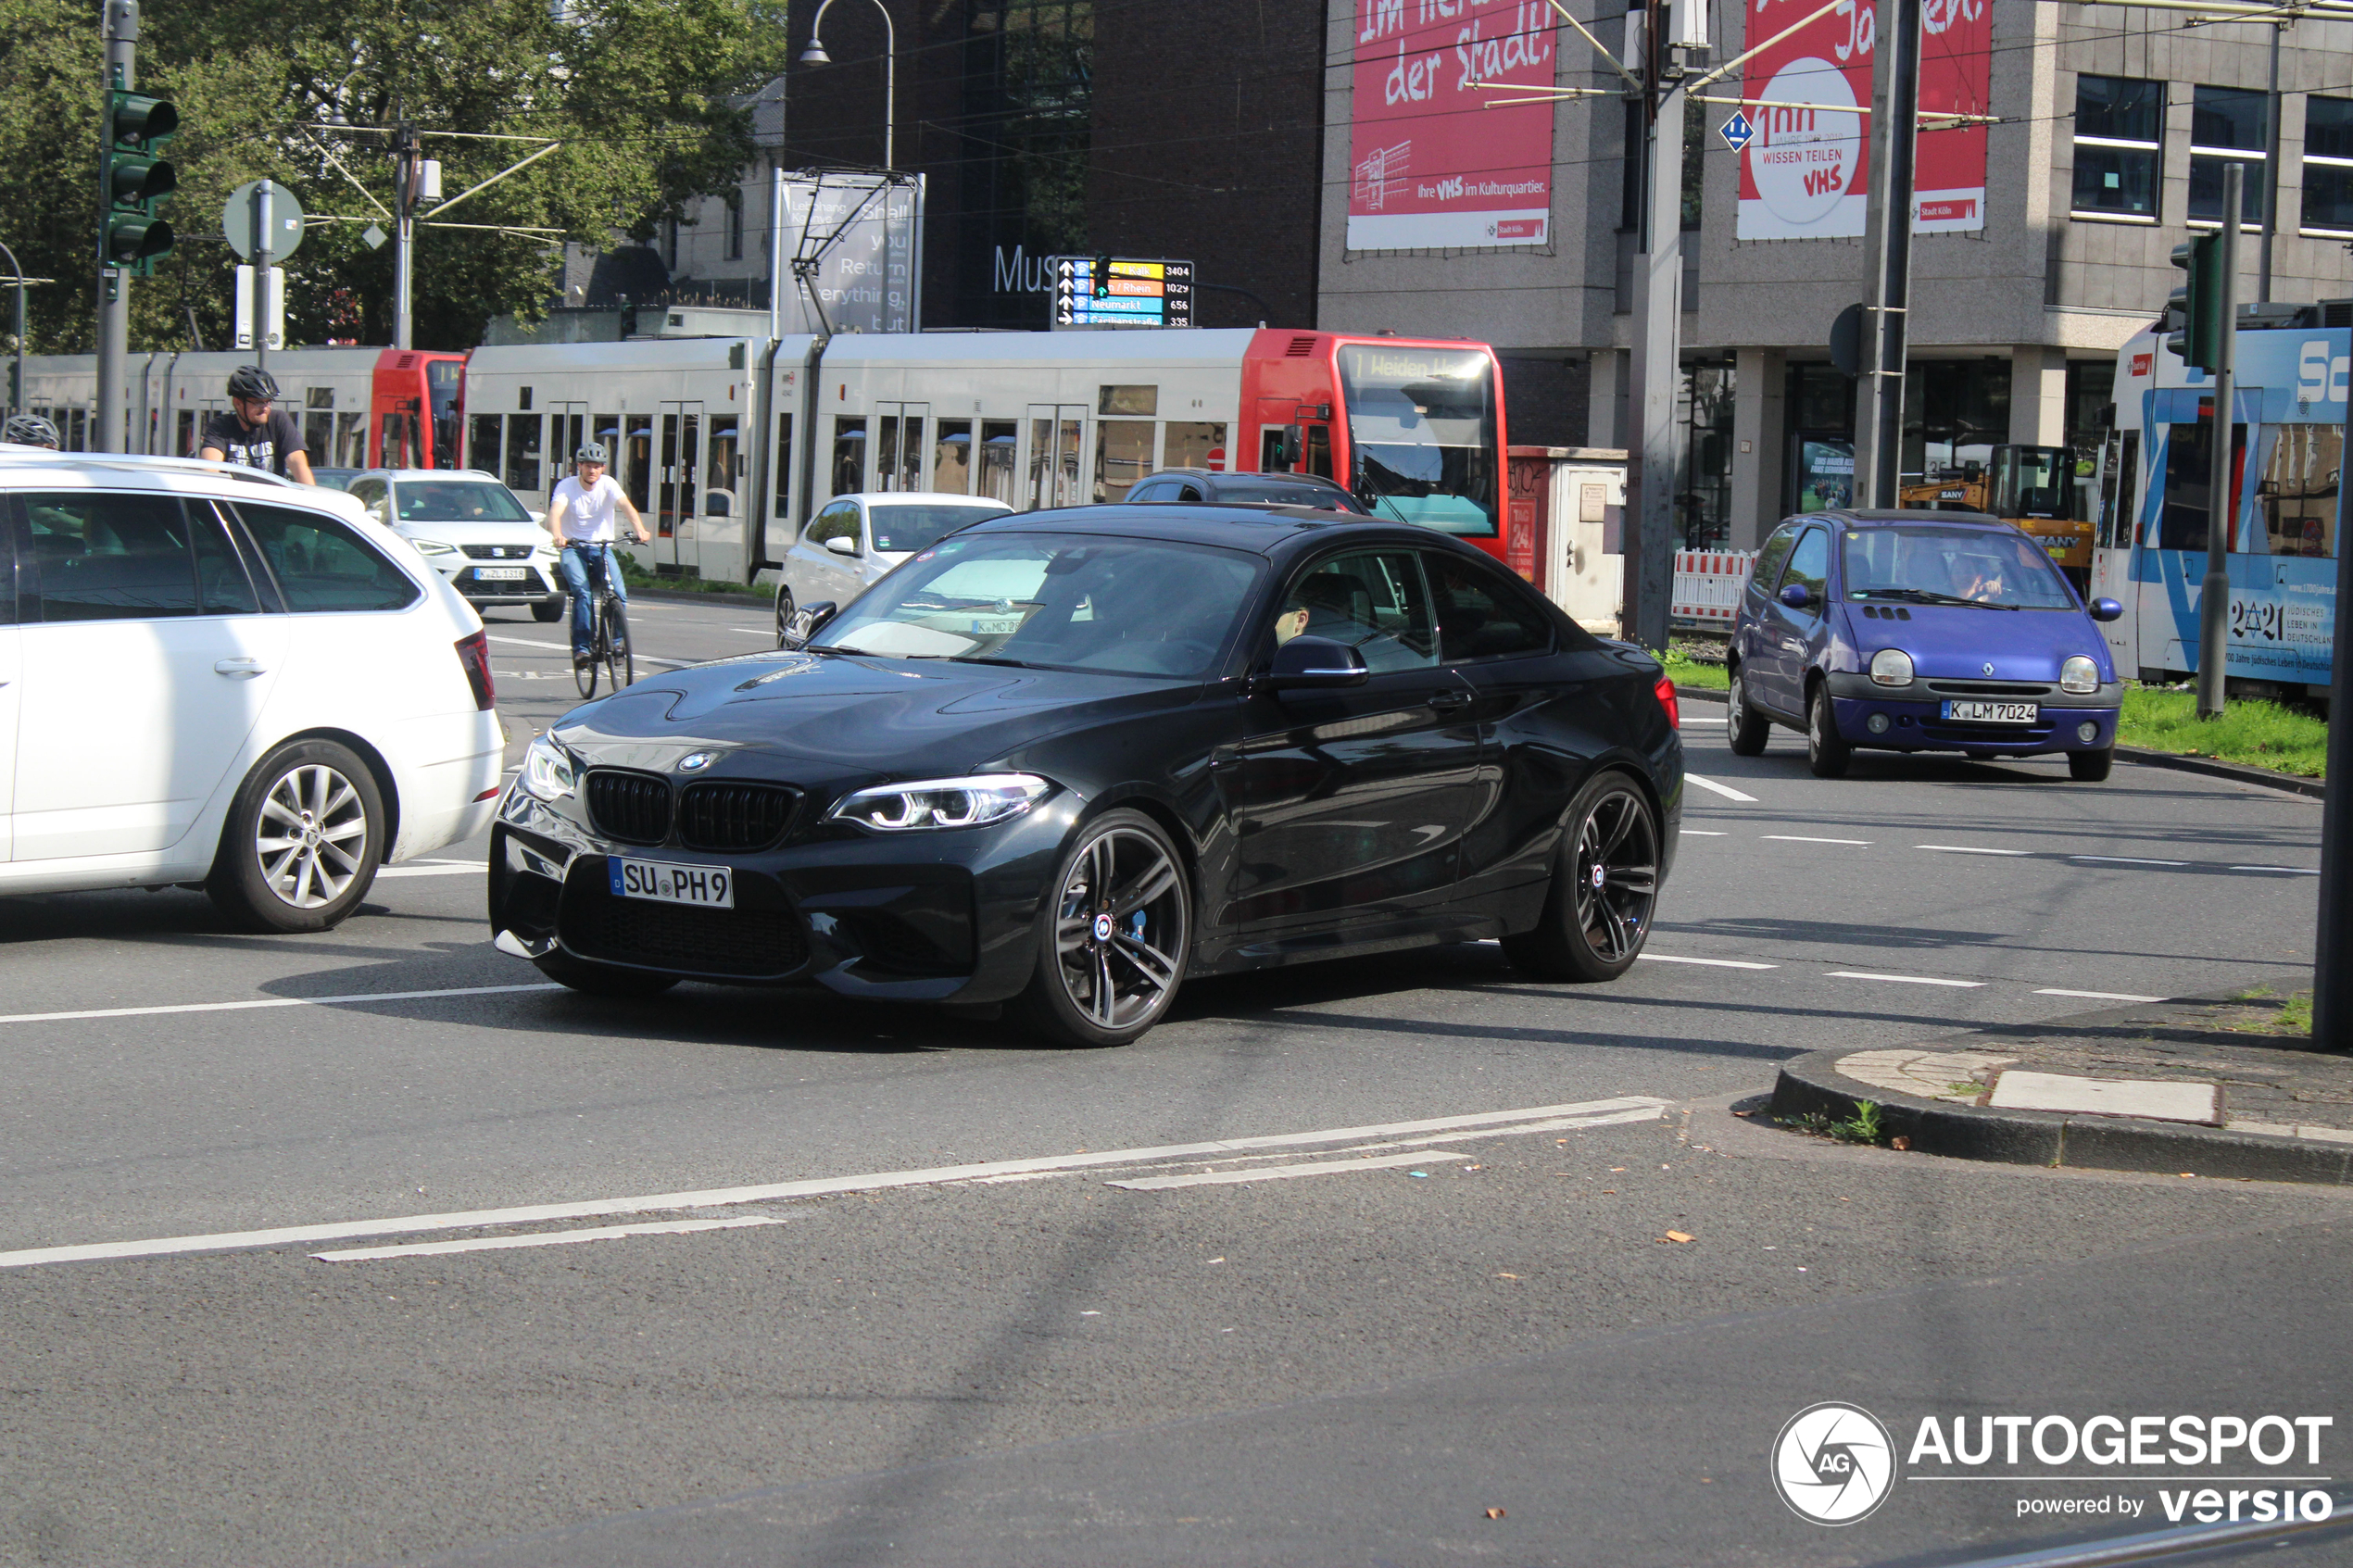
1967	850
1726	791
1703	833
355	997
478	1218
1712	963
2285	870
566	647
1700	721
751	630
1801	838
2100	996
539	1238
2126	861
1269	1172
1900	979
430	870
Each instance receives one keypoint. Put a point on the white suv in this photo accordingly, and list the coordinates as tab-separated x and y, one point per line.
210	676
471	528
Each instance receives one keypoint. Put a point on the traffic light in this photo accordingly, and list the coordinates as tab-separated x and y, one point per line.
1102	277
133	181
2194	314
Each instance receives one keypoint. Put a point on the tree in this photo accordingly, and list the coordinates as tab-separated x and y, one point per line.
641	95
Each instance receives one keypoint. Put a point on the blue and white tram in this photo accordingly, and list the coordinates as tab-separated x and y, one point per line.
2285	501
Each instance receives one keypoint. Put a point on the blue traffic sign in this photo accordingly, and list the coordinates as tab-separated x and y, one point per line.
1737	132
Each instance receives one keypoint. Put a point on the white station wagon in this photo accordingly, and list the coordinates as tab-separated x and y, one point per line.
213	677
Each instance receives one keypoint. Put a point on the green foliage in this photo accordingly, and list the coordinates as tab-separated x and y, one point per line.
638	90
2266	735
1706	674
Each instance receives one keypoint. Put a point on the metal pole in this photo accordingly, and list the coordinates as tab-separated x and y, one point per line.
15	393
2333	942
777	251
113	282
1895	103
404	237
1658	312
890	87
262	235
2270	170
2222	496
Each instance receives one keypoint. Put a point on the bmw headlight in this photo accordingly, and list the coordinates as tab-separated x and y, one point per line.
1891	667
547	771
942	803
2079	676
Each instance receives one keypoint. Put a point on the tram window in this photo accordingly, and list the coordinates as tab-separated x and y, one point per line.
1123	455
998	440
951	458
638	446
605	430
523	451
2299	492
444	385
898	452
780	464
482	447
720	473
351	440
1112	400
318	437
849	454
2189	469
77	431
1194	445
184	442
2117	495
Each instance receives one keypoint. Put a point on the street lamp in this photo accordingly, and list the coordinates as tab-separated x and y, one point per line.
815	55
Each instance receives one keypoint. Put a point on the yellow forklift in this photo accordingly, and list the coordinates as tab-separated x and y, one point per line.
2030	486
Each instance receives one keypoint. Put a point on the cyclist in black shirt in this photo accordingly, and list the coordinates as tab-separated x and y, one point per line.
255	436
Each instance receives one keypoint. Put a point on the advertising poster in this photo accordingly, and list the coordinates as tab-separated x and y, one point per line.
1807	174
1430	165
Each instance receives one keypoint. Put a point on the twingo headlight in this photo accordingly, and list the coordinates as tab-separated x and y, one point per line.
969	802
547	771
2079	676
1891	667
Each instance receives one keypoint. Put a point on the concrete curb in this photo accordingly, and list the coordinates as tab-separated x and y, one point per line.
1812	1083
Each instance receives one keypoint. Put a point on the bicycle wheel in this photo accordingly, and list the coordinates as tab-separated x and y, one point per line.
583	670
618	663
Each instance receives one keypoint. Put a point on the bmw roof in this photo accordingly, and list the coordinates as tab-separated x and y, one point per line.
1257	529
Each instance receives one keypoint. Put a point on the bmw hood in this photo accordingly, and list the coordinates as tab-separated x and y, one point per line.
1955	642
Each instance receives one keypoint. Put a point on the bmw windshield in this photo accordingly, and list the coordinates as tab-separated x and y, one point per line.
1128	607
1925	563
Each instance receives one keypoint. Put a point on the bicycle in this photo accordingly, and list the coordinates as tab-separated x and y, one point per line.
608	630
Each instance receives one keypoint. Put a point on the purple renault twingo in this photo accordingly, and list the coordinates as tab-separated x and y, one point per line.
1919	631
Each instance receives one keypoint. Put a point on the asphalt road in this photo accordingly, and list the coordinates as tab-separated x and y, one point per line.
863	1360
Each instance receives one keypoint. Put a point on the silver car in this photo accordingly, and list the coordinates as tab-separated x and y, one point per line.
473	531
855	539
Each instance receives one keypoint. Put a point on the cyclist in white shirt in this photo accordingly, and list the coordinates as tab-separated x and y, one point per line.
581	517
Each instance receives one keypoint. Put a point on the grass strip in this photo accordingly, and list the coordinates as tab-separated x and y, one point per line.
1698	674
2263	734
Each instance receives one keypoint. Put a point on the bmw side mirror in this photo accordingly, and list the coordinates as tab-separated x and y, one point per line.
1309	663
806	620
842	545
2107	610
1797	595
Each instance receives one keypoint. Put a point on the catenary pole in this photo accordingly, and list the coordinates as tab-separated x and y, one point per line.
2270	170
113	282
2332	941
1658	312
1895	103
16	391
2221	494
404	235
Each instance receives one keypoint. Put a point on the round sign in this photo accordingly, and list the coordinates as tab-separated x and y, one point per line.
237	221
1803	161
1833	1463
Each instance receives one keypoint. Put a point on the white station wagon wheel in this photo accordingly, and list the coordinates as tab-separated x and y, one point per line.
302	841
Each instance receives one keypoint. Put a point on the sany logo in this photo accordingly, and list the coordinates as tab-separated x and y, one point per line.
2320	378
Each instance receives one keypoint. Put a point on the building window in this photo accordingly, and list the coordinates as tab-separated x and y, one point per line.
2226	127
2119	126
2328	166
735	225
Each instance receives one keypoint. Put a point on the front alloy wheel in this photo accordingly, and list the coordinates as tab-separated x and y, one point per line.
1605	885
784	613
1745	727
1114	936
1826	751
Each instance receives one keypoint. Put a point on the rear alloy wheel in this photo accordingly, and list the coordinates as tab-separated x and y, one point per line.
1114	936
1743	726
1605	885
1826	751
2091	766
603	979
303	839
784	613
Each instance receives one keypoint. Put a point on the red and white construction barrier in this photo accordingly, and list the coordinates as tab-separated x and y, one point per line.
1708	585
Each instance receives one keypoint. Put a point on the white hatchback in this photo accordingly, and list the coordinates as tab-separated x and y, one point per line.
213	677
473	531
855	539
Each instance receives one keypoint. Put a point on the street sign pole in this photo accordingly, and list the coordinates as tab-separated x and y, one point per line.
2221	491
1887	242
262	236
1658	319
114	280
2333	943
404	234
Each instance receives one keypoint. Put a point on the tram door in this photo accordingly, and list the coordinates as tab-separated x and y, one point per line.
1057	436
900	447
567	434
679	442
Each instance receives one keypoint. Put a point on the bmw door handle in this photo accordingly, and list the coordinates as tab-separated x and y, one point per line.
238	667
1447	702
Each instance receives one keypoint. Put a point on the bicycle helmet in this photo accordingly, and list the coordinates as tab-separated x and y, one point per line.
30	429
592	452
253	381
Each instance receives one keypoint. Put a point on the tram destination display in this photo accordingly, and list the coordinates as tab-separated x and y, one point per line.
1118	291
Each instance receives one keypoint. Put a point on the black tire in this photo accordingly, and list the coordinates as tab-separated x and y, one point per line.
1113	934
784	613
620	665
303	839
603	979
548	611
583	670
1744	728
2091	766
1592	932
1827	752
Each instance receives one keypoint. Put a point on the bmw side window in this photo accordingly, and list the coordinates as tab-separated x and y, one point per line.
1479	615
1809	564
97	557
321	567
1765	577
1190	493
1376	602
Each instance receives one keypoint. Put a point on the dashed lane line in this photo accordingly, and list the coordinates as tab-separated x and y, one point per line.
1710	963
1901	979
2100	996
2125	861
1272	1172
475	869
353	999
715	1197
566	647
1801	838
1969	849
540	1238
1726	791
2283	870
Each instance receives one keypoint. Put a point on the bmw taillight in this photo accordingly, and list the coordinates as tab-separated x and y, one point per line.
474	654
1665	692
